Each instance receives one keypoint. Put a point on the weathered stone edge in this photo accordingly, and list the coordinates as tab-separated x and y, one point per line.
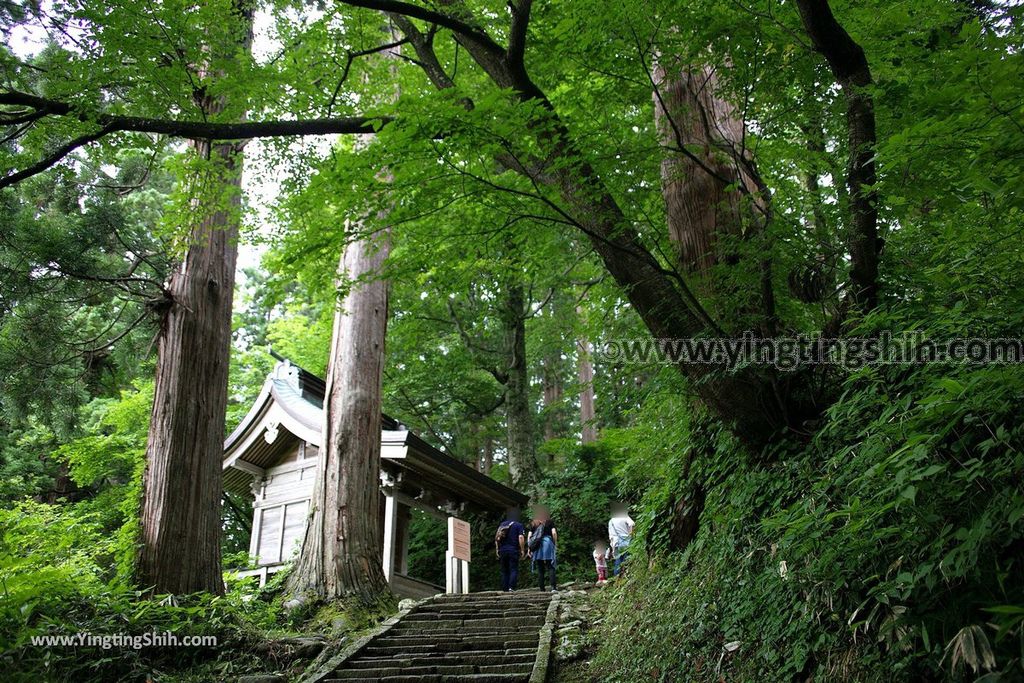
547	631
353	648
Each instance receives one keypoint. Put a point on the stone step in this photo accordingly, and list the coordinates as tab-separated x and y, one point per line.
453	636
530	607
489	610
441	669
432	614
494	596
477	638
520	618
437	678
518	597
527	634
457	628
381	653
477	657
459	632
425	647
496	599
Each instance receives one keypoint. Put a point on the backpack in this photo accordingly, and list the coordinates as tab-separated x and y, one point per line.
535	538
502	533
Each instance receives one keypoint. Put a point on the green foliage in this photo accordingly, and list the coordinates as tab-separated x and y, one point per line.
78	264
879	541
71	598
113	449
428	541
580	497
884	549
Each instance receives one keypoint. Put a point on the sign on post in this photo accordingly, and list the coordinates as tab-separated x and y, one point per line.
457	557
458	538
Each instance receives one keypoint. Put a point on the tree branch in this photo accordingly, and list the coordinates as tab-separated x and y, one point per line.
849	67
426	57
477	35
52	159
350	58
517	34
196	130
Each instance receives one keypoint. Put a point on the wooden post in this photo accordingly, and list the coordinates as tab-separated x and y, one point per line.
404	520
390	534
458	556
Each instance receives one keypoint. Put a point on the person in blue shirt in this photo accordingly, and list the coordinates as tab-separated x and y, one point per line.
510	547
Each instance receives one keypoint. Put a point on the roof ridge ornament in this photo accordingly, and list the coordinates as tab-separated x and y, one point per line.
286	370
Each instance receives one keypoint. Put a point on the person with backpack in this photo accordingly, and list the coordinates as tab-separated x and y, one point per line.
543	547
510	547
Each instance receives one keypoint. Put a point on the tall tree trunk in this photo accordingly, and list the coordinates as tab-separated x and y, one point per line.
522	456
711	187
552	395
488	458
814	280
342	549
704	190
181	503
585	375
180	519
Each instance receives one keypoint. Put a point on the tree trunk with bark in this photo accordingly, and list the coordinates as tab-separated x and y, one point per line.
522	454
180	518
663	301
552	396
585	375
181	500
342	549
708	181
488	457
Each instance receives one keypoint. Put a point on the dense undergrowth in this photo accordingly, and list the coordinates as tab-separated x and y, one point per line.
65	570
888	547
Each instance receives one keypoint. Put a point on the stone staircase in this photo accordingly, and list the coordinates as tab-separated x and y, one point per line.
488	637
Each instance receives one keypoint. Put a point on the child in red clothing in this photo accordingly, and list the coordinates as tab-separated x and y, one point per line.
601	551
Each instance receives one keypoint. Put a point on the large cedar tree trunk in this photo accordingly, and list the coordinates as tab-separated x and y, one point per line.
522	455
342	549
180	519
552	396
181	505
704	190
487	461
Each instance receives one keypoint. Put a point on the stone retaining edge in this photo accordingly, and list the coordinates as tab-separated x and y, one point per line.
354	647
544	639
